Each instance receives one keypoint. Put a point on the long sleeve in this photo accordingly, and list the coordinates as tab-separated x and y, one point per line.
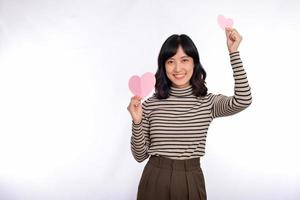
140	138
224	105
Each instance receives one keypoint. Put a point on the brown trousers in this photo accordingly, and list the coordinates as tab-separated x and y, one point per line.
168	179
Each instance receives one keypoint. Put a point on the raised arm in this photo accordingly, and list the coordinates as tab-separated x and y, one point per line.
224	105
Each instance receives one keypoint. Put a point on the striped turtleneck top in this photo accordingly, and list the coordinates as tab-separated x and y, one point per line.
176	127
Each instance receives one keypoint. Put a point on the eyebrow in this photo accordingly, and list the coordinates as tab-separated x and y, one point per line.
181	57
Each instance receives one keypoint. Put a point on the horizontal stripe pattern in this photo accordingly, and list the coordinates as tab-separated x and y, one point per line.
177	127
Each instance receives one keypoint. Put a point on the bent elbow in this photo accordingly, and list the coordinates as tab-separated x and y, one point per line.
249	102
141	159
243	103
139	156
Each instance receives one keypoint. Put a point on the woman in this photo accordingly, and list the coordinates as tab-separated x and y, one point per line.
171	125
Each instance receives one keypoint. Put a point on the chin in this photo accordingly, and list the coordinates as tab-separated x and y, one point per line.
180	84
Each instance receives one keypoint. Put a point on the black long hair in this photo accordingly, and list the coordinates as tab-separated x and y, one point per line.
169	49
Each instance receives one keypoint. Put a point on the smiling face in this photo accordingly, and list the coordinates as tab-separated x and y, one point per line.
179	69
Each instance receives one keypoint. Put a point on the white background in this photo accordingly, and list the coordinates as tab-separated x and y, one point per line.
64	70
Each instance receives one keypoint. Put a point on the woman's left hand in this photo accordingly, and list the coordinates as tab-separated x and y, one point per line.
233	39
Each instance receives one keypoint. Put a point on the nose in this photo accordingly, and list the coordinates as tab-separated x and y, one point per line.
177	67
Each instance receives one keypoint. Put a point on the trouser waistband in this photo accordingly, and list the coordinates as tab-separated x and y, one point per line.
172	164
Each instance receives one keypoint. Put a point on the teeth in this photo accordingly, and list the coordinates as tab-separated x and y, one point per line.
179	76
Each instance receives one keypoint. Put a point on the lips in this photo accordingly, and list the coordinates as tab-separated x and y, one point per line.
179	76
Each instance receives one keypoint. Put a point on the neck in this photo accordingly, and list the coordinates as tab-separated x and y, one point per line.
181	92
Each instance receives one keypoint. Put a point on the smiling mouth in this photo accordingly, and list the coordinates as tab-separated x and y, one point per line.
179	76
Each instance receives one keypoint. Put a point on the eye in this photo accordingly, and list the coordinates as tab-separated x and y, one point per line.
170	61
185	60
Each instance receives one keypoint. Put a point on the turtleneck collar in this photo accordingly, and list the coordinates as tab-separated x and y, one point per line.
181	92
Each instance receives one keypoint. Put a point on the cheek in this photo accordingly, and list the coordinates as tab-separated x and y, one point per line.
190	69
190	73
168	69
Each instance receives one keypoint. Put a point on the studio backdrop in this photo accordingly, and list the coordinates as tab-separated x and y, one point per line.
64	68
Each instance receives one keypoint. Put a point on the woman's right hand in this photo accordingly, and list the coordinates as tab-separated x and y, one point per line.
135	109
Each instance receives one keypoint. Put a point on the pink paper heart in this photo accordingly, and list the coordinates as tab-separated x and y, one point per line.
223	22
142	86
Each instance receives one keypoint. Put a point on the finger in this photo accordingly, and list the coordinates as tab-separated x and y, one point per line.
233	29
236	32
136	102
227	32
138	97
135	97
237	36
232	36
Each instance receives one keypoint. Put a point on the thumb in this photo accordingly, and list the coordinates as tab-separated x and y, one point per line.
227	32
